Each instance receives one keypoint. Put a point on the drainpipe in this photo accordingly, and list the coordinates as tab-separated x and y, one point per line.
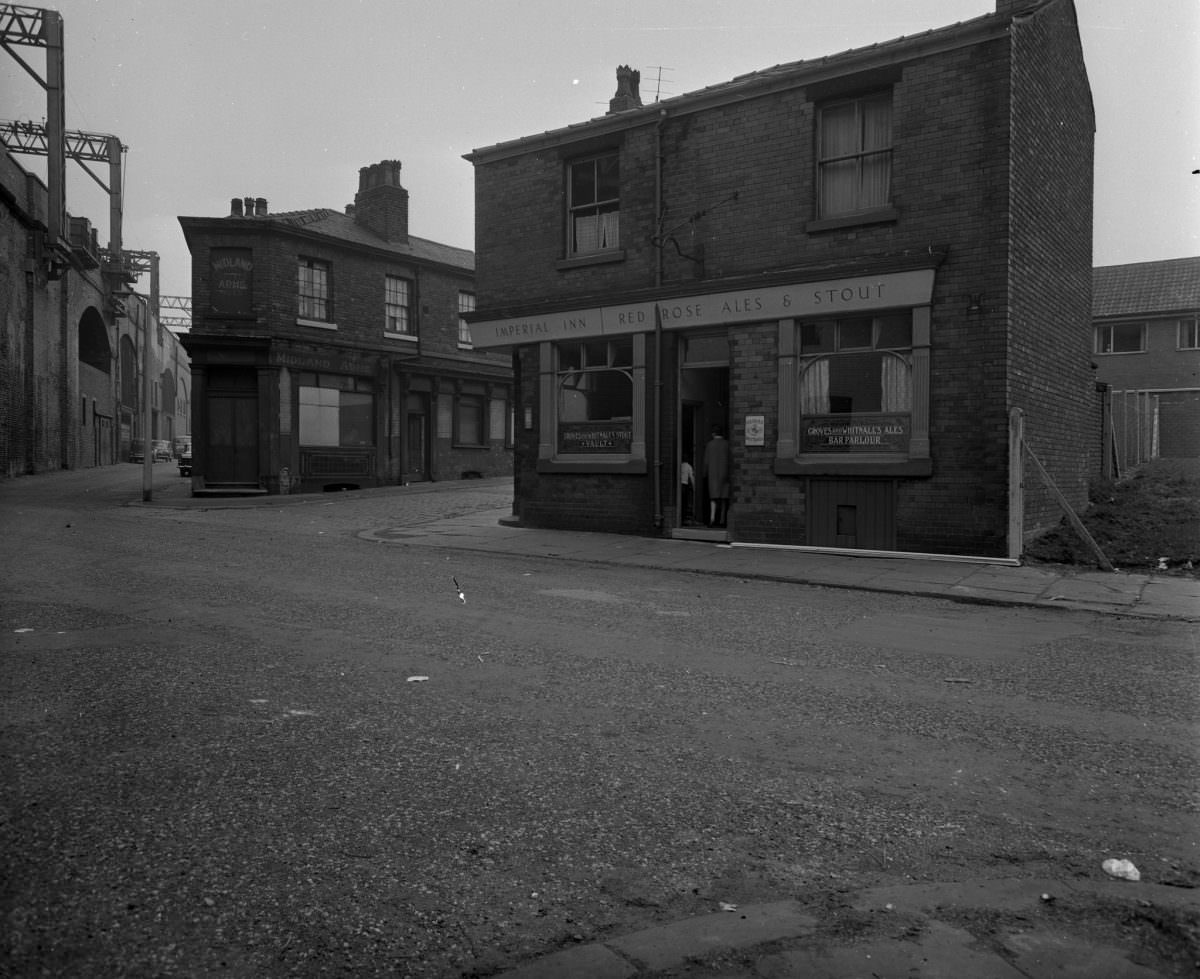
658	337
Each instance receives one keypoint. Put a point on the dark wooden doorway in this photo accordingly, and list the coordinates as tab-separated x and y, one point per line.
852	513
231	456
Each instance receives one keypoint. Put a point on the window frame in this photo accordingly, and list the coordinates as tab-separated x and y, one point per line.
466	304
891	458
408	307
550	459
1191	325
1108	330
355	387
471	399
306	312
600	206
862	212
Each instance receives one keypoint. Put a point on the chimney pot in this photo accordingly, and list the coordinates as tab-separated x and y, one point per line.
260	207
249	202
628	96
235	208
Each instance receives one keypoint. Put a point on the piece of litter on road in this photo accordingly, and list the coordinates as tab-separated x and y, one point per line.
22	630
1122	869
461	597
416	679
957	679
726	906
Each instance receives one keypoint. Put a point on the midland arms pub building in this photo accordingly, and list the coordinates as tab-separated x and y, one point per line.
870	271
329	351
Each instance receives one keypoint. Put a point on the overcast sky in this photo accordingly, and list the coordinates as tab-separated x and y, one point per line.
287	99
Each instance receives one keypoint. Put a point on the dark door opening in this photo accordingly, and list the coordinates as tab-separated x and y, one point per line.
231	453
416	441
703	403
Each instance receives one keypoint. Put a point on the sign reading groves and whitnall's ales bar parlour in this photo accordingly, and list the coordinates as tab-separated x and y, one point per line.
879	433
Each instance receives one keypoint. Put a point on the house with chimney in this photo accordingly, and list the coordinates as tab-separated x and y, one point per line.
869	272
329	350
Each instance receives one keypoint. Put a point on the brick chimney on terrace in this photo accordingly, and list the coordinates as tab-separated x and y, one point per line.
627	96
381	204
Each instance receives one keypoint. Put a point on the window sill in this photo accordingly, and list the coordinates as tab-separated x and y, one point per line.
882	215
316	324
623	465
844	466
406	337
595	258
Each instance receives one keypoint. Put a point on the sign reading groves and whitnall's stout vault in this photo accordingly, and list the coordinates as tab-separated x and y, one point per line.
807	299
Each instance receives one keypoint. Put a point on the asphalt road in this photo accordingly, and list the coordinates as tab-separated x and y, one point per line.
244	741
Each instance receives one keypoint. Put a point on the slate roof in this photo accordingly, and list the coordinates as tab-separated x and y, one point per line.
1171	286
889	51
335	224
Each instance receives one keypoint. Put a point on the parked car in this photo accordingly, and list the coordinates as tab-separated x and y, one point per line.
162	450
183	445
137	451
185	460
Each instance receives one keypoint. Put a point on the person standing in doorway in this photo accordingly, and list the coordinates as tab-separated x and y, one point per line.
687	490
716	478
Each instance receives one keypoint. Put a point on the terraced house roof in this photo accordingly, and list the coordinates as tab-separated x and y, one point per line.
1171	286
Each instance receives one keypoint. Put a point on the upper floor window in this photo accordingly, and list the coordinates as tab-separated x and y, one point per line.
1189	334
854	155
397	306
466	304
593	205
314	282
1121	338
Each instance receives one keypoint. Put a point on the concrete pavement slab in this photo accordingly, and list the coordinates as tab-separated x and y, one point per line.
670	945
1040	954
1002	894
582	962
939	952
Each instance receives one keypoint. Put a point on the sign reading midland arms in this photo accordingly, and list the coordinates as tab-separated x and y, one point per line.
824	298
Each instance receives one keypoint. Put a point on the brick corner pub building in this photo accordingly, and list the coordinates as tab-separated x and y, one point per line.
871	271
329	350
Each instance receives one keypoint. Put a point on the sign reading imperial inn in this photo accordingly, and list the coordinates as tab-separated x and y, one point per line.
824	298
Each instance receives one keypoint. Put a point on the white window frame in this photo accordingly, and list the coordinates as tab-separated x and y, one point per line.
1188	335
1104	338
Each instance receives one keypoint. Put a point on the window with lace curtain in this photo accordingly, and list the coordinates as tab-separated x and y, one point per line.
593	205
856	384
854	155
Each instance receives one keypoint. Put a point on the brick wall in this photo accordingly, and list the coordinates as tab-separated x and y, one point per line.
1051	378
951	187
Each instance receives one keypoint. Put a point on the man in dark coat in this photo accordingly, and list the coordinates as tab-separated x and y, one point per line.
717	459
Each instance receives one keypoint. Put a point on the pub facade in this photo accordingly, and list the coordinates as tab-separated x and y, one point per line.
329	350
866	271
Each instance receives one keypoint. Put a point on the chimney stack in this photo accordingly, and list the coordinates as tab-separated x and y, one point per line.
627	97
381	204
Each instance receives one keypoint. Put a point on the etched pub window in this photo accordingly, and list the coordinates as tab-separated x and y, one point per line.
856	384
595	396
